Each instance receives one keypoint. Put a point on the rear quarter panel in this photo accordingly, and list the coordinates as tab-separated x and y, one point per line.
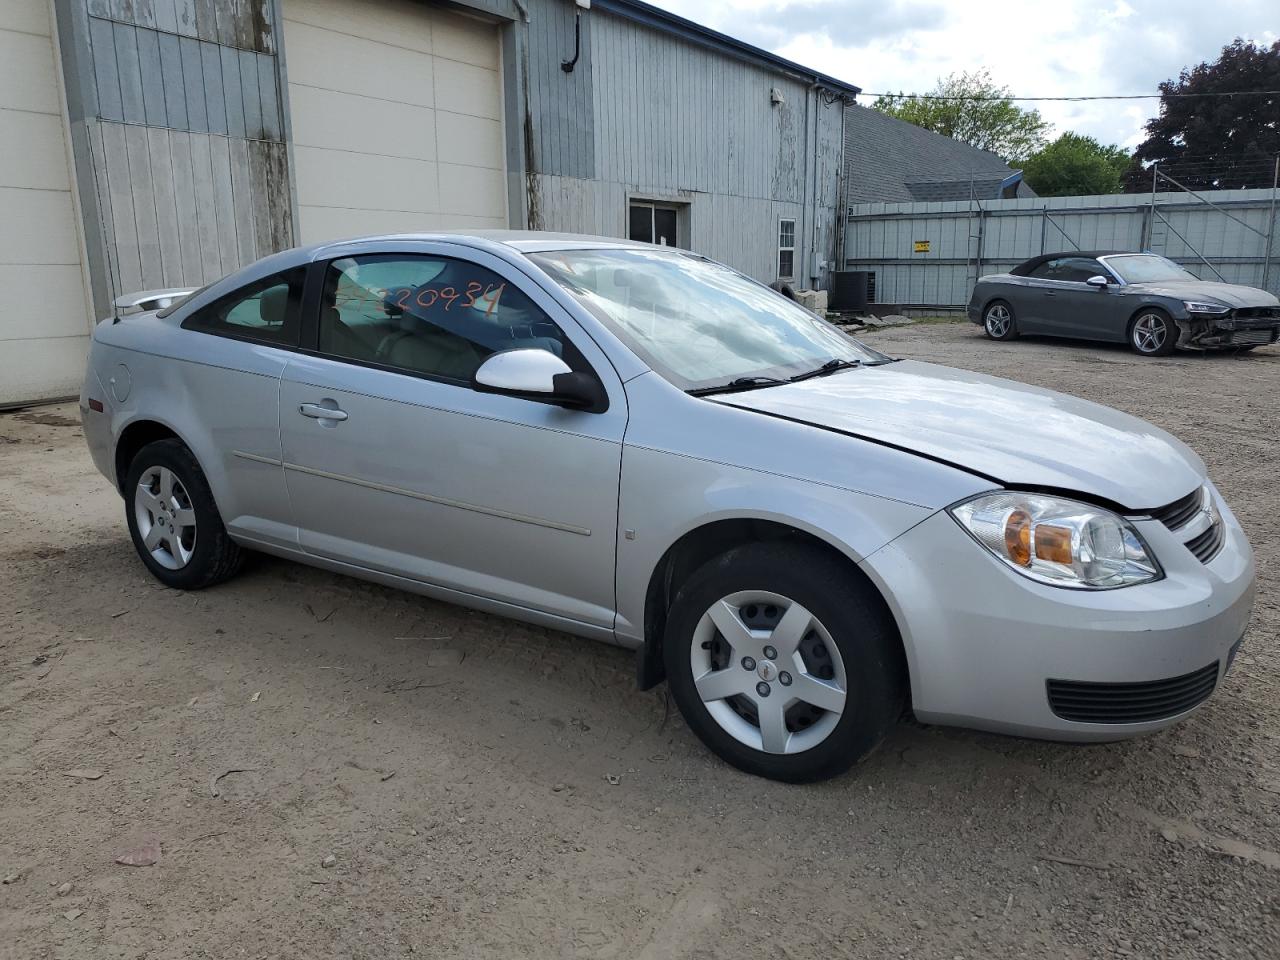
221	397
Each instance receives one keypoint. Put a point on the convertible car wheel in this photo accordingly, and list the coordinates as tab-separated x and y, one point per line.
999	322
783	663
1153	334
173	520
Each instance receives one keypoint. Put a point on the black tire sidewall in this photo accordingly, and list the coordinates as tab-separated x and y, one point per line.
215	555
1170	333
858	622
1013	320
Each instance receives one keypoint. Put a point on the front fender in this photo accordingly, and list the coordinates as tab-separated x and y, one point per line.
665	496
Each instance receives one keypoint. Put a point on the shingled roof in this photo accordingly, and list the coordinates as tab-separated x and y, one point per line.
890	160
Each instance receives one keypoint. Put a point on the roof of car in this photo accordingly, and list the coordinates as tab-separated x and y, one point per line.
526	241
1024	268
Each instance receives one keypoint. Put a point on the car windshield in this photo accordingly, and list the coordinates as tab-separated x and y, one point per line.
1146	268
700	324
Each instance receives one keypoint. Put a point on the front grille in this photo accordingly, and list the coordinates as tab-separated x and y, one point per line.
1179	513
1130	702
1206	545
1255	337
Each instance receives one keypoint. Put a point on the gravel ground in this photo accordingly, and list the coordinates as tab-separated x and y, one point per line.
481	788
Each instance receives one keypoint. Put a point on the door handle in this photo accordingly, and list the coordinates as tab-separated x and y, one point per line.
318	411
1051	293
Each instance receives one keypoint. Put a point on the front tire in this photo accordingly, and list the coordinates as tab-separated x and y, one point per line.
173	520
1152	333
784	662
998	320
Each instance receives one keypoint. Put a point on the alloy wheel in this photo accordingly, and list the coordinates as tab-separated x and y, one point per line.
768	672
166	517
1149	333
998	321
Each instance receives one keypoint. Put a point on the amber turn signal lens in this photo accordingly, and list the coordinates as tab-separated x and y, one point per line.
1017	537
1053	544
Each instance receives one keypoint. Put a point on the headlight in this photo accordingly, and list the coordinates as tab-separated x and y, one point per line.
1194	306
1062	542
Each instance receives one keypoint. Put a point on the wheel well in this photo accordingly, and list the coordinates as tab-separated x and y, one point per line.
136	436
1148	308
991	300
694	549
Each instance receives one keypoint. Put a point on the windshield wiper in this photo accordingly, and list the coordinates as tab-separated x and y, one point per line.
733	386
831	366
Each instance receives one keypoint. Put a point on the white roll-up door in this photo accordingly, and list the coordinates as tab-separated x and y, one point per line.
397	118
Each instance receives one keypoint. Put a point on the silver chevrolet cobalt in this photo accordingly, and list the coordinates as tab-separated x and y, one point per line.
803	536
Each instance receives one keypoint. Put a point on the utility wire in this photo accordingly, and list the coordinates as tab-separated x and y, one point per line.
1121	96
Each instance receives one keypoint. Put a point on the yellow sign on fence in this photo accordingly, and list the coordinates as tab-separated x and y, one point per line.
922	246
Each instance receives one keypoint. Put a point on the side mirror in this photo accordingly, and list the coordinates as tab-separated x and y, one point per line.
536	374
1099	281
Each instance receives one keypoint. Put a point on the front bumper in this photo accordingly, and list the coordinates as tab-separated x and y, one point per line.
983	642
1255	326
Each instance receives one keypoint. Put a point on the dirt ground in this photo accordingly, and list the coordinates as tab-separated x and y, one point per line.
488	789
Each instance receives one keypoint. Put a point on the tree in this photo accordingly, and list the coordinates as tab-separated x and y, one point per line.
976	111
1216	142
1075	166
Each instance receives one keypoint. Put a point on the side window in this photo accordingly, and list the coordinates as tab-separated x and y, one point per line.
267	310
1049	270
1081	269
433	316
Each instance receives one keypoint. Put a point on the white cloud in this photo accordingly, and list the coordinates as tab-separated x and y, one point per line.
1035	47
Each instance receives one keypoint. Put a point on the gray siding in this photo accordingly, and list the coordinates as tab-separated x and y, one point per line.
177	124
649	116
880	237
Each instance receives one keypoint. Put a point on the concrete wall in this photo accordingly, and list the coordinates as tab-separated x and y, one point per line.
44	326
967	240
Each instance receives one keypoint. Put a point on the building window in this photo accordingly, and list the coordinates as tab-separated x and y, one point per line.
786	249
653	223
871	287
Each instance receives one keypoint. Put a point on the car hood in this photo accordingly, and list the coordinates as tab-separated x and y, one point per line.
1014	434
1231	294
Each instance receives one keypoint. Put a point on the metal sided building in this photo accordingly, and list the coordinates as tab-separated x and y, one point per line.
159	143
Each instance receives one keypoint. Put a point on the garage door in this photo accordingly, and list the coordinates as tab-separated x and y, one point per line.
45	321
397	118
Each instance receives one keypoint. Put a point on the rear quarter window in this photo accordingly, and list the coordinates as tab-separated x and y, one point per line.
265	311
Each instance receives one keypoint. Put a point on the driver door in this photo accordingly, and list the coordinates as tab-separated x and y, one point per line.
395	464
1081	310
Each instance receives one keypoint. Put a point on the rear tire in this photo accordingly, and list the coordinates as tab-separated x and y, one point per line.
173	520
1152	333
799	675
998	320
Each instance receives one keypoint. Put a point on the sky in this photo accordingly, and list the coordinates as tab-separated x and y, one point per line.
1044	48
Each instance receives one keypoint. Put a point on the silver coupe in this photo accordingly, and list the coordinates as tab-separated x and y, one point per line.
803	536
1137	298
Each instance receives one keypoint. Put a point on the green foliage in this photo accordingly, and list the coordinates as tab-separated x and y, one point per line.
1075	166
982	115
1216	142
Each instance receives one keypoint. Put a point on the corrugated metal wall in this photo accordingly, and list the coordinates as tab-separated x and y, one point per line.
967	240
178	130
646	115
